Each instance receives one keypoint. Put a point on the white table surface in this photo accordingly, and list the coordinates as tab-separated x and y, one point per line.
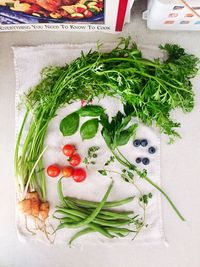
179	166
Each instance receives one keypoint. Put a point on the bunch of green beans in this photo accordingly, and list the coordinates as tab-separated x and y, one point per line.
94	216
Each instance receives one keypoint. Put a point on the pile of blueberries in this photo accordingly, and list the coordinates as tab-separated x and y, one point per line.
143	143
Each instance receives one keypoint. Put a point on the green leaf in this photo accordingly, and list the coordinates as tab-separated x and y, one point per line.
91	111
105	121
116	121
107	137
110	160
128	109
123	137
89	129
124	177
102	172
130	174
125	122
69	125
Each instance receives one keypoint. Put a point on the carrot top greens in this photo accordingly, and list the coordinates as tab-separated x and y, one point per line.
150	90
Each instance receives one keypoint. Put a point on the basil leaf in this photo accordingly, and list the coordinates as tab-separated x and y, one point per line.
89	129
69	125
123	137
91	111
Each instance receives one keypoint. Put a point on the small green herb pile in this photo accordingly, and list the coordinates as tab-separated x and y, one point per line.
91	155
151	89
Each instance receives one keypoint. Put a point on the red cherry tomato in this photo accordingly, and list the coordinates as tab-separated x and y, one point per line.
67	171
79	175
68	150
53	170
75	160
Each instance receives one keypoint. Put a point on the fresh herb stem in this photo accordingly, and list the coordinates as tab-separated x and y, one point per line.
166	196
144	176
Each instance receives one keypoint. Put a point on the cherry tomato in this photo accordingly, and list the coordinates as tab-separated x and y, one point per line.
67	171
75	160
53	170
79	175
68	150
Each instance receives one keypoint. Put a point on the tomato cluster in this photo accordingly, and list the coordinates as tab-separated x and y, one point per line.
74	159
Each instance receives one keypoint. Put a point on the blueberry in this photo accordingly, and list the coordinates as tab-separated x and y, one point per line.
151	150
138	160
136	142
145	161
144	142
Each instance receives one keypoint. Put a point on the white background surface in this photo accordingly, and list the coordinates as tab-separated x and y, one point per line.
179	167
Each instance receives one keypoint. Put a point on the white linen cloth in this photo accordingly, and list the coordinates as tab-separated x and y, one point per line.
29	61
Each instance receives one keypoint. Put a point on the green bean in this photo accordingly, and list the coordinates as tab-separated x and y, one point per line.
113	223
83	215
79	213
68	220
101	230
60	192
104	214
102	222
92	204
123	231
116	214
80	233
94	226
91	217
75	218
116	223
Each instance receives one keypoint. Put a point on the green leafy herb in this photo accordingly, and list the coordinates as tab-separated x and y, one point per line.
123	137
110	160
103	172
89	129
116	133
92	154
145	198
91	111
69	125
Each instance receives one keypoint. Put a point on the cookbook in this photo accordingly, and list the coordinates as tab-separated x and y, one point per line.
64	15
